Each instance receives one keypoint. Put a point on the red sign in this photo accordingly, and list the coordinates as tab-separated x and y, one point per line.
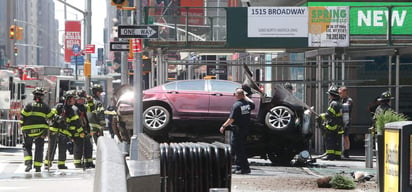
137	45
90	48
195	15
72	35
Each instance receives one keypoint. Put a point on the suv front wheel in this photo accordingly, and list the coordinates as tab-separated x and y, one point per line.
279	118
156	120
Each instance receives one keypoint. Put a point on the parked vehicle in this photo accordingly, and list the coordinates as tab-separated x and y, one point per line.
195	109
12	94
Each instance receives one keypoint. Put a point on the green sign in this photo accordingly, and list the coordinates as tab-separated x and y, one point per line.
374	20
370	18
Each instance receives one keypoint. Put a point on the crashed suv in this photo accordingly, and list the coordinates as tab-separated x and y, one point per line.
193	110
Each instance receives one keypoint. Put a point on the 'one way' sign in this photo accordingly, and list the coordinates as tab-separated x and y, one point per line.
138	31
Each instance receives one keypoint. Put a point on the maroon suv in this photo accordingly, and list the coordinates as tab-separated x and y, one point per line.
195	109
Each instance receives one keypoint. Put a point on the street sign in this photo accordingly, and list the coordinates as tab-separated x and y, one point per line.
215	71
138	31
90	48
68	70
136	45
119	46
79	60
76	49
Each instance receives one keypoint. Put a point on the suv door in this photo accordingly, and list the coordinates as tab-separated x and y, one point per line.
189	99
221	98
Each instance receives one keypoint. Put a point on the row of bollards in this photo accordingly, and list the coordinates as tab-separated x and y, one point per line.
195	167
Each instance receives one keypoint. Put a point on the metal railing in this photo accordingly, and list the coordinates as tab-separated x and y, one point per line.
10	133
188	23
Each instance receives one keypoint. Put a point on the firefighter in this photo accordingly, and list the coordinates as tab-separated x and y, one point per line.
59	134
34	126
72	117
95	112
84	147
384	105
333	125
109	113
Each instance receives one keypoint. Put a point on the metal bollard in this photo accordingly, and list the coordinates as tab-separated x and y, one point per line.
228	136
218	190
368	151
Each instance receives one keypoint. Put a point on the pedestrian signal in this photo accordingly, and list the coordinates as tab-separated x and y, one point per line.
19	33
16	51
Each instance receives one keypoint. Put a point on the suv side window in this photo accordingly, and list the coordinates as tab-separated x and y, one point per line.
170	86
224	86
191	85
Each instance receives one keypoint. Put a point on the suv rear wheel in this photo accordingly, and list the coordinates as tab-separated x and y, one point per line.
156	120
279	118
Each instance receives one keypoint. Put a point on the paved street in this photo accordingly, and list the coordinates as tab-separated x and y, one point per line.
263	177
13	178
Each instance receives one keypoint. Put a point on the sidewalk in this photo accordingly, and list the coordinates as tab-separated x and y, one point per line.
347	166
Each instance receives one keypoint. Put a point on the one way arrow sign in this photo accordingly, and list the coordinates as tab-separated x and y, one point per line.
138	31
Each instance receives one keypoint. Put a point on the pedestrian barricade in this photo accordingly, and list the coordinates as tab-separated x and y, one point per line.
10	133
177	167
194	167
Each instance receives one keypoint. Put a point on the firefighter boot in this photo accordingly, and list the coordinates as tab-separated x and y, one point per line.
78	165
28	166
90	165
62	167
38	169
346	153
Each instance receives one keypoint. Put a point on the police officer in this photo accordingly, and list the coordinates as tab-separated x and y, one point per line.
59	133
333	124
34	126
347	105
240	118
83	147
95	112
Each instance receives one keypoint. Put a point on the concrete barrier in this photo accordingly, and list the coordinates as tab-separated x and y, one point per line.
111	168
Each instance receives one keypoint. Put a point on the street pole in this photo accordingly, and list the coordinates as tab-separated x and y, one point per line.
124	63
138	90
75	65
88	40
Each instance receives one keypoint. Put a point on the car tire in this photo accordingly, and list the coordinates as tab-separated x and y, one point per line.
280	118
156	120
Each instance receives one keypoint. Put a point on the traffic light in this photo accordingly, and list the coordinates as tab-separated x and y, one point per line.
131	56
87	68
120	3
16	51
12	32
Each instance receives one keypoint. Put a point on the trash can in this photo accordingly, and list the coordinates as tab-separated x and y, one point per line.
397	157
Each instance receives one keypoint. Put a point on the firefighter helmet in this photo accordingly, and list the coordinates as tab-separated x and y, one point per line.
333	90
81	93
288	86
39	91
69	94
385	96
97	87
